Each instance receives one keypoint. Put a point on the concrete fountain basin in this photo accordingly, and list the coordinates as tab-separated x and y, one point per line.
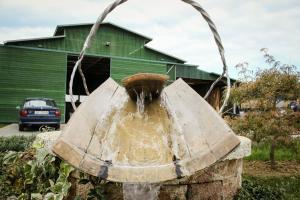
177	135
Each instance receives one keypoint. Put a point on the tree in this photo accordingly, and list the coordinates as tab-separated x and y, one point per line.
261	91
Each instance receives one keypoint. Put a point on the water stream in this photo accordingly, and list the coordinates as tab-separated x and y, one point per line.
140	102
140	191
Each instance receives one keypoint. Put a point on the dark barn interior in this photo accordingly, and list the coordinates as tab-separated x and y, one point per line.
96	70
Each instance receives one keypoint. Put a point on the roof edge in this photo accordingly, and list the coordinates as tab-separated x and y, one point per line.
216	74
104	23
89	54
32	39
147	47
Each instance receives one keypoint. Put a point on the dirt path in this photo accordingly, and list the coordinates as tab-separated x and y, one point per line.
262	168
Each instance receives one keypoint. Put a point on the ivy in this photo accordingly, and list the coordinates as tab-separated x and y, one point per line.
34	174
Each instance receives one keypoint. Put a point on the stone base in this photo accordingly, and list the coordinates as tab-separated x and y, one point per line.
220	181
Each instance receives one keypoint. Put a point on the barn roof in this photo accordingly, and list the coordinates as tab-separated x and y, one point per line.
59	29
59	33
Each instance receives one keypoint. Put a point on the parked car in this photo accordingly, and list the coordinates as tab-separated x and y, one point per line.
39	112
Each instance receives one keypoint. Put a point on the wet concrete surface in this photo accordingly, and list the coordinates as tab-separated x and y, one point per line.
13	130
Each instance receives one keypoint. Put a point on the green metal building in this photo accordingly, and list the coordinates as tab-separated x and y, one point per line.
42	67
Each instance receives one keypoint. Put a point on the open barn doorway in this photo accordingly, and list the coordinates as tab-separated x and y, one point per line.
202	86
96	71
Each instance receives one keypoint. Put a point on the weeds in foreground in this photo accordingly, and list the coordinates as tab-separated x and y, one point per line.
271	188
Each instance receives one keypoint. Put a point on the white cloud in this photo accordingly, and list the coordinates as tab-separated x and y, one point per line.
24	33
176	28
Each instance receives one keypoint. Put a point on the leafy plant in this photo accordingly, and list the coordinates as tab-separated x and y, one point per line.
269	188
98	190
35	174
15	143
251	190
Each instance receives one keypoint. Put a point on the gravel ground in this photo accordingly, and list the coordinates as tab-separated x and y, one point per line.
263	169
13	130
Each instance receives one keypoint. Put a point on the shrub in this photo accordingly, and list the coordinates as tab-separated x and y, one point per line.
34	174
268	188
252	190
15	143
269	127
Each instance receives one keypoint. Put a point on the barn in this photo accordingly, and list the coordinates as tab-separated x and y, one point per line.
41	67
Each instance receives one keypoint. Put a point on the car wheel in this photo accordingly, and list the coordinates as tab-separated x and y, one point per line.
57	127
21	127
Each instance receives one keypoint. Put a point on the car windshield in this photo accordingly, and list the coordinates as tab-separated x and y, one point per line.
39	103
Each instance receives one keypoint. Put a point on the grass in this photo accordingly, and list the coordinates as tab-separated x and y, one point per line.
290	186
282	153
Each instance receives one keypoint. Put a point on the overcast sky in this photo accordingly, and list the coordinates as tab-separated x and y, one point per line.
176	28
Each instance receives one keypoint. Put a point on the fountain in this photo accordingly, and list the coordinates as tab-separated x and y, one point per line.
175	135
144	134
153	138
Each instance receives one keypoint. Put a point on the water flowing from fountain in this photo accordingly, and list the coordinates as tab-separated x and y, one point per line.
140	191
140	102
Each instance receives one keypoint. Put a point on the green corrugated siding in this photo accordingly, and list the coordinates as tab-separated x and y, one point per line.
171	72
122	43
121	68
192	72
30	73
57	43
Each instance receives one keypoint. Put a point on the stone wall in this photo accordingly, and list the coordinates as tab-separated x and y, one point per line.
220	181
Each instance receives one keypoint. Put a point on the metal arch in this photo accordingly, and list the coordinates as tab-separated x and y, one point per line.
115	4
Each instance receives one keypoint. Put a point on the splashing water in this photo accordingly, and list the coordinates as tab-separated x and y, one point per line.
149	144
140	102
140	191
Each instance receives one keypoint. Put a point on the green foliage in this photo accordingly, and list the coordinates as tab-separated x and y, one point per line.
259	92
34	174
254	188
265	86
266	125
271	128
97	192
282	153
15	143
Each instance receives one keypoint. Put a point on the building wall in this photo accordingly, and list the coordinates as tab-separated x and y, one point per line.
121	43
193	72
30	73
121	68
53	43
